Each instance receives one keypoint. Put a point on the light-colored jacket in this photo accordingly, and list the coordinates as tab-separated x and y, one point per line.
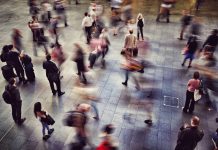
130	41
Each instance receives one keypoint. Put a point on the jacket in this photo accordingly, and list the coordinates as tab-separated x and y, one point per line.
14	92
50	68
188	138
130	41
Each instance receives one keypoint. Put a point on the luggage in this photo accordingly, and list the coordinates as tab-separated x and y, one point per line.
8	72
135	52
75	119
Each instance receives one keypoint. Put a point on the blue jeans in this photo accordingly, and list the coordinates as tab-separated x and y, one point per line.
44	126
93	104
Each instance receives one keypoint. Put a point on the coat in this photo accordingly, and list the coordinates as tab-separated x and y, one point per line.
188	138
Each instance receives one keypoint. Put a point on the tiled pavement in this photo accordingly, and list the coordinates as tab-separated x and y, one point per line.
165	77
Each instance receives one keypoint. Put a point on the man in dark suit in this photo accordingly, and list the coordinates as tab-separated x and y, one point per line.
53	75
16	101
189	136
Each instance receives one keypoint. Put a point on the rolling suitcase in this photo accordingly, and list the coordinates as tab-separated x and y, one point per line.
8	72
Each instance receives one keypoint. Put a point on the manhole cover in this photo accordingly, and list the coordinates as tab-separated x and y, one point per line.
171	101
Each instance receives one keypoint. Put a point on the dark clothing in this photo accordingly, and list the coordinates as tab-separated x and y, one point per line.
17	41
14	60
28	67
80	64
16	104
192	45
140	31
186	20
189	98
212	40
52	74
88	31
188	138
195	29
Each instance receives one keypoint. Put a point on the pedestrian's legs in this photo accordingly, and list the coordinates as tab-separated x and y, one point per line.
190	62
138	33
168	15
44	126
93	104
18	111
52	86
89	34
184	61
84	77
141	30
46	49
192	105
158	17
58	85
187	102
127	77
14	112
34	48
182	32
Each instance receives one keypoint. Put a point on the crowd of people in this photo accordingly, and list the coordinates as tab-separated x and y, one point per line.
48	15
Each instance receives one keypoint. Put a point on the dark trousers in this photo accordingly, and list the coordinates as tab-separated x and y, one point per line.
182	31
16	111
140	31
190	102
166	14
82	74
58	85
127	76
88	31
20	72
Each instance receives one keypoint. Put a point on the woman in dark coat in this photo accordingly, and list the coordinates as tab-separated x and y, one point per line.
79	59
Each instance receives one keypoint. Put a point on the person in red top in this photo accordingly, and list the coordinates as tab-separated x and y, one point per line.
193	84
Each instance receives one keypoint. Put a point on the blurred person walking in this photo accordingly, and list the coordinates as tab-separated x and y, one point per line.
87	26
53	75
211	43
140	21
60	8
193	84
12	93
16	39
43	118
185	22
191	48
80	63
130	43
189	135
58	54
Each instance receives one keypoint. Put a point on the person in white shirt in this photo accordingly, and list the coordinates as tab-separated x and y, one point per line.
87	26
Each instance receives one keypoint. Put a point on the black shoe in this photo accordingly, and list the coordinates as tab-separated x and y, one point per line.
182	65
60	94
189	66
50	131
124	83
180	38
46	137
21	121
149	122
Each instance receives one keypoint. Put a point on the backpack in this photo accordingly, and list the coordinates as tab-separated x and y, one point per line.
75	119
7	97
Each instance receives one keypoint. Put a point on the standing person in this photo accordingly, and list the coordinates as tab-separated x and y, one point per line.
59	6
16	39
16	101
192	46
193	84
79	59
185	22
14	59
41	114
87	26
140	24
211	41
189	135
130	42
53	75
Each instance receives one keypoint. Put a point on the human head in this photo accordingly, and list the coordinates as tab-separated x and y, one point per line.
195	121
86	13
196	75
215	31
10	47
5	49
12	81
37	108
108	129
48	57
140	15
131	31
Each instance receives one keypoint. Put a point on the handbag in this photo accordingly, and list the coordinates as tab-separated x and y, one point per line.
49	120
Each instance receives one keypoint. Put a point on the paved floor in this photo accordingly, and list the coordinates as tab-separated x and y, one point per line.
165	77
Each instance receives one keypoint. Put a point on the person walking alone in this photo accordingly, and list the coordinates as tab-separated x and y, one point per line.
39	113
87	26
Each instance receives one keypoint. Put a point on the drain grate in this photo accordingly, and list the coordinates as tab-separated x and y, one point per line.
171	101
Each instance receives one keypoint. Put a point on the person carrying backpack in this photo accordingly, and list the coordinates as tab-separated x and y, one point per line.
11	96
